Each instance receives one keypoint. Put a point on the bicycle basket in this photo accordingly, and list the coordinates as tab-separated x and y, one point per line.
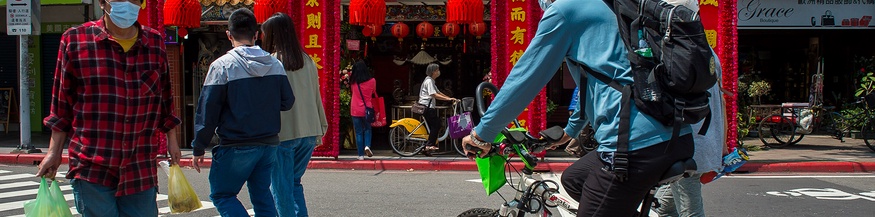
468	104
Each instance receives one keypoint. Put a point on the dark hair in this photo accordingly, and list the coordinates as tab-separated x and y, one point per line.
242	24
280	38
360	72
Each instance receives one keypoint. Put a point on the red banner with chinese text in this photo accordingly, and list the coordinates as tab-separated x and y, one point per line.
317	32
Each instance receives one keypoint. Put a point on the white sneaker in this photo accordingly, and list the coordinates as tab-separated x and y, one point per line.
361	158
368	152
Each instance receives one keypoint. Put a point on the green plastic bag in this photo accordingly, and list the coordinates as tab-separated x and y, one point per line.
491	170
49	202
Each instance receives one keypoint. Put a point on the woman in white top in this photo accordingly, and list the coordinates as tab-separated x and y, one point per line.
427	95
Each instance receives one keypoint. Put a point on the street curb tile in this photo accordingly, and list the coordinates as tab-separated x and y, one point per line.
9	158
834	167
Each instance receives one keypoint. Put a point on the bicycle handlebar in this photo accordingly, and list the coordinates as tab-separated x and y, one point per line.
532	144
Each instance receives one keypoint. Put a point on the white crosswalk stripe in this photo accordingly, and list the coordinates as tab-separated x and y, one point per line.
21	188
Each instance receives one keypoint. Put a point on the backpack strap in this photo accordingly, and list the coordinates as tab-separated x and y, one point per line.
621	156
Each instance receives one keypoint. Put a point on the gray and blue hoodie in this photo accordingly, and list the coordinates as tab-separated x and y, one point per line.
243	94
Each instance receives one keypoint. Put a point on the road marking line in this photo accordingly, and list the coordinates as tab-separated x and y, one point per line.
28	192
18	184
204	205
5	171
20	204
796	177
16	176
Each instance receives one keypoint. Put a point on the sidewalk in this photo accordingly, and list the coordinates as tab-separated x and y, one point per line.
813	154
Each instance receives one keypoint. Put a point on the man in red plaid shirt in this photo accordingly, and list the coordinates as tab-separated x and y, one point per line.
111	97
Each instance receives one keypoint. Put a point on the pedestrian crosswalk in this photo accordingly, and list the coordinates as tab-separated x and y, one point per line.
16	189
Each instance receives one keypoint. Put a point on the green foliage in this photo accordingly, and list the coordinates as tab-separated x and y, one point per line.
551	107
867	85
854	117
345	98
757	89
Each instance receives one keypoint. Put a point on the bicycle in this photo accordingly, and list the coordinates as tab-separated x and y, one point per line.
868	129
408	136
534	194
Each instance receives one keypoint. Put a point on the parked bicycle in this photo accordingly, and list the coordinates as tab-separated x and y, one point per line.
408	136
868	130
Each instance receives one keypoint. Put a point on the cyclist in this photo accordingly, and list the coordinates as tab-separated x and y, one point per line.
428	92
585	32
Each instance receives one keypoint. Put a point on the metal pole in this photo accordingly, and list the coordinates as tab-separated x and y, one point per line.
24	98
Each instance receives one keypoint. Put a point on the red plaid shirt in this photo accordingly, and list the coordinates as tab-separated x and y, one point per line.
112	104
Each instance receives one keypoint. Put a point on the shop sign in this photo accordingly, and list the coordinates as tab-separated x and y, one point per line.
57	28
806	14
18	20
352	44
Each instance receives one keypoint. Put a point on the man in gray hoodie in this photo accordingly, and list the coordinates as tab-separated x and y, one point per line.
241	100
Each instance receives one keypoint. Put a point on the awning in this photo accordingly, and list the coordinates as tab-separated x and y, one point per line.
55	2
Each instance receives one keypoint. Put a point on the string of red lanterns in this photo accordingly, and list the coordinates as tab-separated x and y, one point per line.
263	9
465	11
183	14
400	30
451	30
477	29
364	12
424	30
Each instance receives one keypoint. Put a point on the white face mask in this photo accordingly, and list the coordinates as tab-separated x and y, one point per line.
545	4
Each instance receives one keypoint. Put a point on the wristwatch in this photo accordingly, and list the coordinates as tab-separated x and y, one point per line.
478	142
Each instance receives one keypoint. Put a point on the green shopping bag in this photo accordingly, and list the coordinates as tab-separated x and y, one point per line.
491	170
49	202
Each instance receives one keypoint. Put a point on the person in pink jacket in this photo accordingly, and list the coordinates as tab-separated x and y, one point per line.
363	88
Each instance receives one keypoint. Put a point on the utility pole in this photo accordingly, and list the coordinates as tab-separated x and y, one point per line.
19	22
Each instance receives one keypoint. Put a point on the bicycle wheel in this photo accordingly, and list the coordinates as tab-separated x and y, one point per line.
777	131
479	212
868	134
400	144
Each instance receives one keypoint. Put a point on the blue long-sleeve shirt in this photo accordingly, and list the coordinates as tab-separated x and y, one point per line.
241	100
584	32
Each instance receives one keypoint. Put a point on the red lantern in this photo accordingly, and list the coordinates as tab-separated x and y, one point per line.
182	13
400	30
465	11
263	9
477	29
372	31
424	30
363	12
451	30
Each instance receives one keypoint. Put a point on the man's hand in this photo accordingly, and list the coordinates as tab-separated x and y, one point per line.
196	161
173	148
49	166
564	140
467	141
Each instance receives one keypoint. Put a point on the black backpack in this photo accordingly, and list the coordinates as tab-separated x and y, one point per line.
671	83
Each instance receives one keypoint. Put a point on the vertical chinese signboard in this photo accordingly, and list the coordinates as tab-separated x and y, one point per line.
319	33
515	23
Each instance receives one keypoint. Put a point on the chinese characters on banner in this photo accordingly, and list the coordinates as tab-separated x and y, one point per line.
318	33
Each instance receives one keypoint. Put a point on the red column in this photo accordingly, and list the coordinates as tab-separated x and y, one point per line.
727	49
318	27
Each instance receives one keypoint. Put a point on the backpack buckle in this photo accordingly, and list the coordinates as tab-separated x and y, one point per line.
621	166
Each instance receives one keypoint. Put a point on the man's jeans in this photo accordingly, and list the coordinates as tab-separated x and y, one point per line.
100	201
681	198
231	167
292	158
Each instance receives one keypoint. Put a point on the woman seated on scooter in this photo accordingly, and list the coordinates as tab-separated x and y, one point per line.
427	93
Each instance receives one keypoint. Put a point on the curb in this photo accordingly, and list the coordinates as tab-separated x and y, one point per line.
470	165
817	166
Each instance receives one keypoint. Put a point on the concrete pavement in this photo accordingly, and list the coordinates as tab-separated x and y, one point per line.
813	154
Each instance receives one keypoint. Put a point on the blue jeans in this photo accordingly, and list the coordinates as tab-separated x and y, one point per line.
362	134
681	198
97	200
232	166
291	162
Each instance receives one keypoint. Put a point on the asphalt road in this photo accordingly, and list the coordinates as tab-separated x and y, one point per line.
448	193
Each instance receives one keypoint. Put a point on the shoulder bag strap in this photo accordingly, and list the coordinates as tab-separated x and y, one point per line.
361	94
